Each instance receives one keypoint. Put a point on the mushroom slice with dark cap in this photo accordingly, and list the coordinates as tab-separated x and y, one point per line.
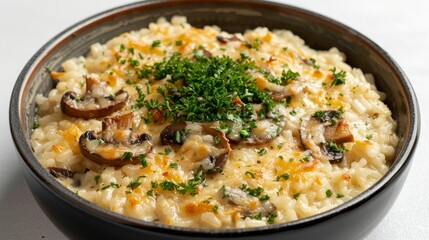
212	163
174	134
224	39
60	172
202	144
94	104
116	144
250	205
324	133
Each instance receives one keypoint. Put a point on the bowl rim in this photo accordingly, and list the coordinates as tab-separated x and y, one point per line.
26	154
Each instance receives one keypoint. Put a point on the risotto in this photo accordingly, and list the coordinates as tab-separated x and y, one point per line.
203	128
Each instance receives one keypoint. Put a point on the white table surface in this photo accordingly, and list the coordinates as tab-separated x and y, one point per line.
400	27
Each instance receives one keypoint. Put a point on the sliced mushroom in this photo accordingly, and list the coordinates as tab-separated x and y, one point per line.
338	133
223	39
60	172
116	144
94	104
173	134
214	141
213	164
308	62
250	205
323	132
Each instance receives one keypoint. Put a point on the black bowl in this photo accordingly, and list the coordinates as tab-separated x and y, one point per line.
80	219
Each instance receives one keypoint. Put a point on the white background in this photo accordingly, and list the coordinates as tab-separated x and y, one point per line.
400	27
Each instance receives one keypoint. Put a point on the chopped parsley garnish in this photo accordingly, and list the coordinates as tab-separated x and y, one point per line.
190	187
140	101
244	134
319	114
332	116
215	208
208	89
167	151
255	192
97	179
369	137
305	159
296	196
244	56
313	61
121	48
100	141
284	79
143	161
35	125
168	185
210	86
262	151
339	195
135	183
133	63
127	155
143	72
264	197
179	136
293	113
111	185
174	166
150	193
256	44
329	193
252	192
271	217
250	174
257	216
338	78
179	43
247	44
155	44
288	76
332	147
284	176
48	70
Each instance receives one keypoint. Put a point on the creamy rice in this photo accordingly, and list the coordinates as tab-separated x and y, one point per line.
293	181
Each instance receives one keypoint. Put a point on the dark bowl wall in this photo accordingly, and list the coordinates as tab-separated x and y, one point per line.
78	218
